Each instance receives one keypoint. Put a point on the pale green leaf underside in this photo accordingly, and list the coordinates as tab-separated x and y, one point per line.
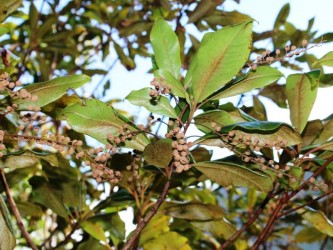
226	174
52	90
160	105
98	120
263	76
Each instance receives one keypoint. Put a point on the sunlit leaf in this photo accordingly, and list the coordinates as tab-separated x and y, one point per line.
166	47
263	76
218	228
94	229
50	91
7	7
96	119
160	105
318	220
193	211
220	57
168	241
301	93
158	225
326	60
226	174
176	87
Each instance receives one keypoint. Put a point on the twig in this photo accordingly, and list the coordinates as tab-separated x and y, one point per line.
15	211
304	205
130	243
264	234
68	236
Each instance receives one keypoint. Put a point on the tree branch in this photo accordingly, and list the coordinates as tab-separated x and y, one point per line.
264	234
15	211
131	242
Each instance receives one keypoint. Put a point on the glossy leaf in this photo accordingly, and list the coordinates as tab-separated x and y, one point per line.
158	153
226	174
168	241
160	106
220	57
97	120
264	132
318	220
176	87
50	91
166	47
263	76
301	93
326	60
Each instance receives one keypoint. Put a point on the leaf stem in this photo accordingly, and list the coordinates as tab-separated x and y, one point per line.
15	211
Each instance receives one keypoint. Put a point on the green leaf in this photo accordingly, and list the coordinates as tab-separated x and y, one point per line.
3	30
261	133
326	60
94	229
160	106
158	225
7	7
309	235
282	17
168	241
7	239
301	92
193	211
318	220
97	120
158	153
218	228
264	75
219	117
4	213
176	87
27	158
220	57
166	47
50	91
226	174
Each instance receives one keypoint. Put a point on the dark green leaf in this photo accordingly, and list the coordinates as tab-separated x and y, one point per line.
282	17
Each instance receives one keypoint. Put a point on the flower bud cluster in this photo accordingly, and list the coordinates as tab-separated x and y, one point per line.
317	185
134	167
6	84
2	145
160	87
180	148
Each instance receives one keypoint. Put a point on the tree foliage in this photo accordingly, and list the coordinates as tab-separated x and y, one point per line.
69	166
